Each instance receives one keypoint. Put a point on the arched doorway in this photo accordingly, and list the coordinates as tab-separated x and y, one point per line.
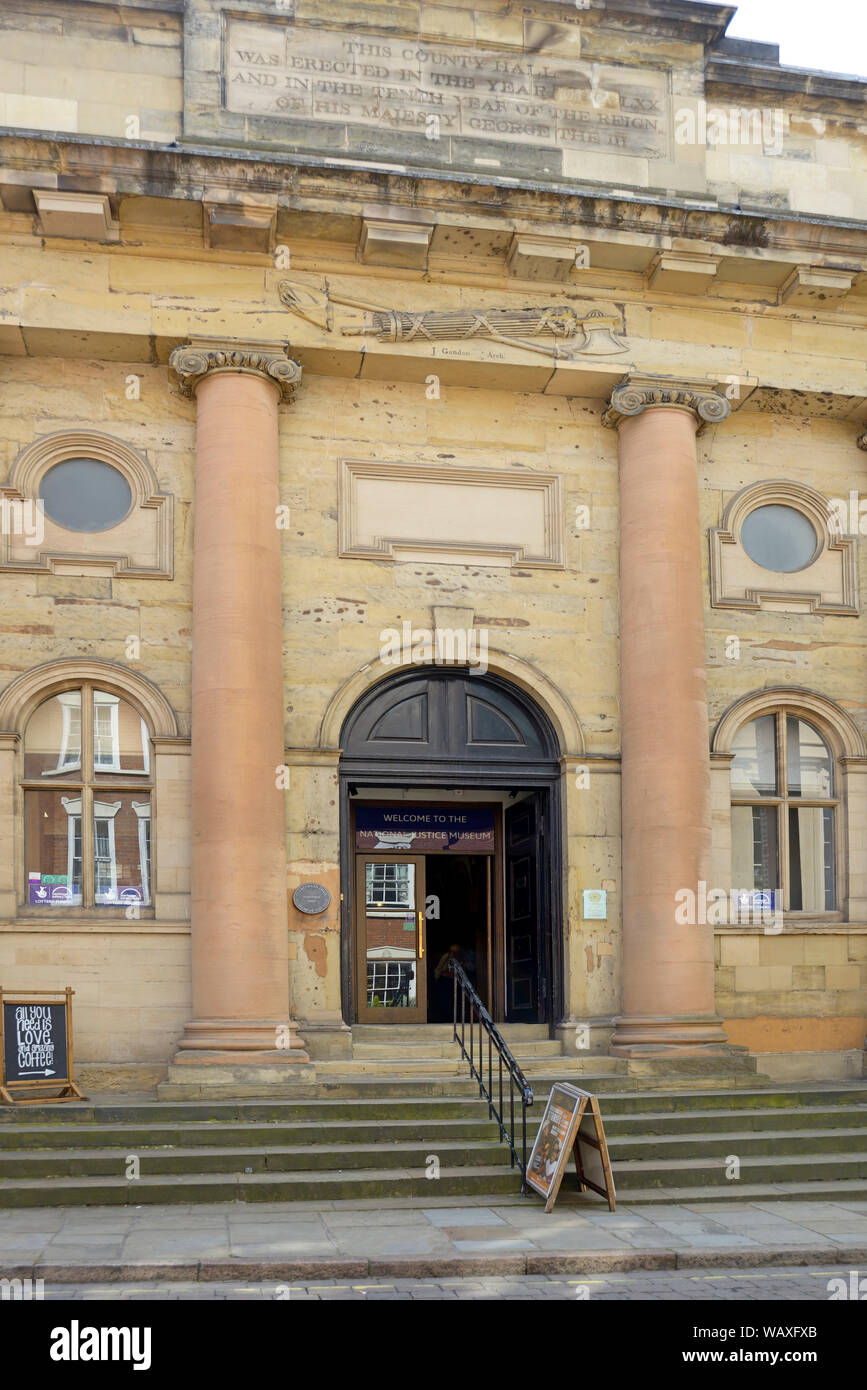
451	843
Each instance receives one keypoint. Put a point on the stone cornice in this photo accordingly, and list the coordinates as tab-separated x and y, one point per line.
203	357
301	181
729	70
639	393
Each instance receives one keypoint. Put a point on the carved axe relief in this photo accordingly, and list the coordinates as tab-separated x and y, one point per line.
574	335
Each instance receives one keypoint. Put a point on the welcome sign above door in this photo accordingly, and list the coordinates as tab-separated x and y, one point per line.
425	829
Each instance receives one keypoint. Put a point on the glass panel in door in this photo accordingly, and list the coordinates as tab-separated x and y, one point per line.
391	945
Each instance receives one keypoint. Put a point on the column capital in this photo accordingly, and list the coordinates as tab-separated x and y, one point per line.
202	357
636	394
861	441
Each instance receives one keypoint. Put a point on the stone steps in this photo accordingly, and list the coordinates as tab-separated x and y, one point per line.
439	1032
237	1159
669	1125
409	1048
377	1142
192	1134
769	1168
418	1051
241	1123
421	1062
309	1186
846	1189
540	1075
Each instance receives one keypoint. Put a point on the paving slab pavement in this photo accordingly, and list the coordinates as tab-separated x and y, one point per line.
351	1239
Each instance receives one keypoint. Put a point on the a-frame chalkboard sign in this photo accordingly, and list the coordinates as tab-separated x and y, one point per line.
36	1046
571	1124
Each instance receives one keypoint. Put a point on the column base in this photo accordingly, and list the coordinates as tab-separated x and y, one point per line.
259	1042
658	1035
220	1080
227	1058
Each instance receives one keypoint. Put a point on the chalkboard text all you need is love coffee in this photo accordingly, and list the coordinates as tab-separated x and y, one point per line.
37	1045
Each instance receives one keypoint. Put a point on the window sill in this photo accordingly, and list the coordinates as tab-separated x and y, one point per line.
82	914
794	924
91	922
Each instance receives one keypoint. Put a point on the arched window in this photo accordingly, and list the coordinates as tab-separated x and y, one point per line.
87	801
784	810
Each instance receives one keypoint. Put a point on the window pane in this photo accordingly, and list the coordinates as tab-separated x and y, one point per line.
85	495
809	766
755	851
52	848
811	859
779	538
121	851
120	736
391	985
754	767
52	744
390	885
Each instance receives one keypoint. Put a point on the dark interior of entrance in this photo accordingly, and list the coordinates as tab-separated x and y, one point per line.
458	924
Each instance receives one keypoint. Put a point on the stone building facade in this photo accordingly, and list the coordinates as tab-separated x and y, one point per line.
443	422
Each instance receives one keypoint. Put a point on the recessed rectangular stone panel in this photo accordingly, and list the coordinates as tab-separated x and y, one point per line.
457	99
413	511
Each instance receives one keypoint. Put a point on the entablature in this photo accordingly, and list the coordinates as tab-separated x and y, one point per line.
243	206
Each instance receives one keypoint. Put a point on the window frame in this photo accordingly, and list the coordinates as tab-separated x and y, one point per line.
97	786
783	801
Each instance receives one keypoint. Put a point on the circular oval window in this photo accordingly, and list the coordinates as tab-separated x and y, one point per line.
85	495
779	538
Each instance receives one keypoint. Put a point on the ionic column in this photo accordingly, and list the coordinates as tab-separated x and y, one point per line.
239	906
668	970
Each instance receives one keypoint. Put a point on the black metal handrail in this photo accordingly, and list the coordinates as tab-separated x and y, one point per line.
517	1080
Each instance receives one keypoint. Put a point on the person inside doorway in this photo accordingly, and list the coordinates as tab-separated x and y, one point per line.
443	981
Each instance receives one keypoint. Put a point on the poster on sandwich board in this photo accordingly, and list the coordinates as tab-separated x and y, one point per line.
571	1125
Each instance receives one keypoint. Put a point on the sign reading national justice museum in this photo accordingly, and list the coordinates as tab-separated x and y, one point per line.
424	829
541	95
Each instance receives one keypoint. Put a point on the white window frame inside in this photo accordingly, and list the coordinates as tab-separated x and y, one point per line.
145	837
72	807
70	703
105	811
102	701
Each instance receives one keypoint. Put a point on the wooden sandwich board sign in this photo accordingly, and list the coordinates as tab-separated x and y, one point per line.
571	1124
36	1045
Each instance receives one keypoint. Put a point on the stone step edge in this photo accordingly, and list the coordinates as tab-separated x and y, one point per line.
469	1142
621	1169
483	1144
294	1176
317	1126
450	1266
801	1095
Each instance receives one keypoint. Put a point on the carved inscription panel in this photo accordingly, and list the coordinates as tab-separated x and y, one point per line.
444	92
